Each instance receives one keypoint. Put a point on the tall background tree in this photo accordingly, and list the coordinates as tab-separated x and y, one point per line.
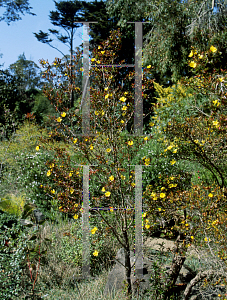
20	89
27	71
14	9
176	25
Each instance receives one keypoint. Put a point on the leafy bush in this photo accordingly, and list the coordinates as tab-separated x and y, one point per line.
12	244
13	204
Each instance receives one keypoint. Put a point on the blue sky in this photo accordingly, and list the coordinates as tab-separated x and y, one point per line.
18	37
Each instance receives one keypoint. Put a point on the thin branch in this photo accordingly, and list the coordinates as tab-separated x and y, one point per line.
200	276
58	51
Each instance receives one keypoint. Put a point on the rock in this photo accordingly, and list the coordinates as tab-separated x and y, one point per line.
117	275
25	222
159	244
39	216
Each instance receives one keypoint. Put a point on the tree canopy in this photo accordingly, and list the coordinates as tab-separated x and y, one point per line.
14	9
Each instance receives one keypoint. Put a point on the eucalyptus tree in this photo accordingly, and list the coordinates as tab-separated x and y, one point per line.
175	27
27	72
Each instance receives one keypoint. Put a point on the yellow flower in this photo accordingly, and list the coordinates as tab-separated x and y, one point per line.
75	217
102	112
192	237
95	253
52	191
146	138
37	148
144	215
147	226
91	147
169	148
147	161
96	113
75	141
122	177
71	191
123	99
191	54
111	178
81	69
148	67
221	79
200	56
206	239
122	122
124	107
106	89
213	49
192	64
210	195
103	52
175	150
162	195
159	209
48	173
93	59
151	124
59	119
130	143
99	47
103	189
107	194
94	230
63	114
216	102
215	123
173	162
106	96
172	178
70	174
98	61
132	184
76	205
60	207
108	150
111	209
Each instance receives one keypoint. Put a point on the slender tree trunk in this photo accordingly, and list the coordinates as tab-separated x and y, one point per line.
127	264
177	263
71	81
